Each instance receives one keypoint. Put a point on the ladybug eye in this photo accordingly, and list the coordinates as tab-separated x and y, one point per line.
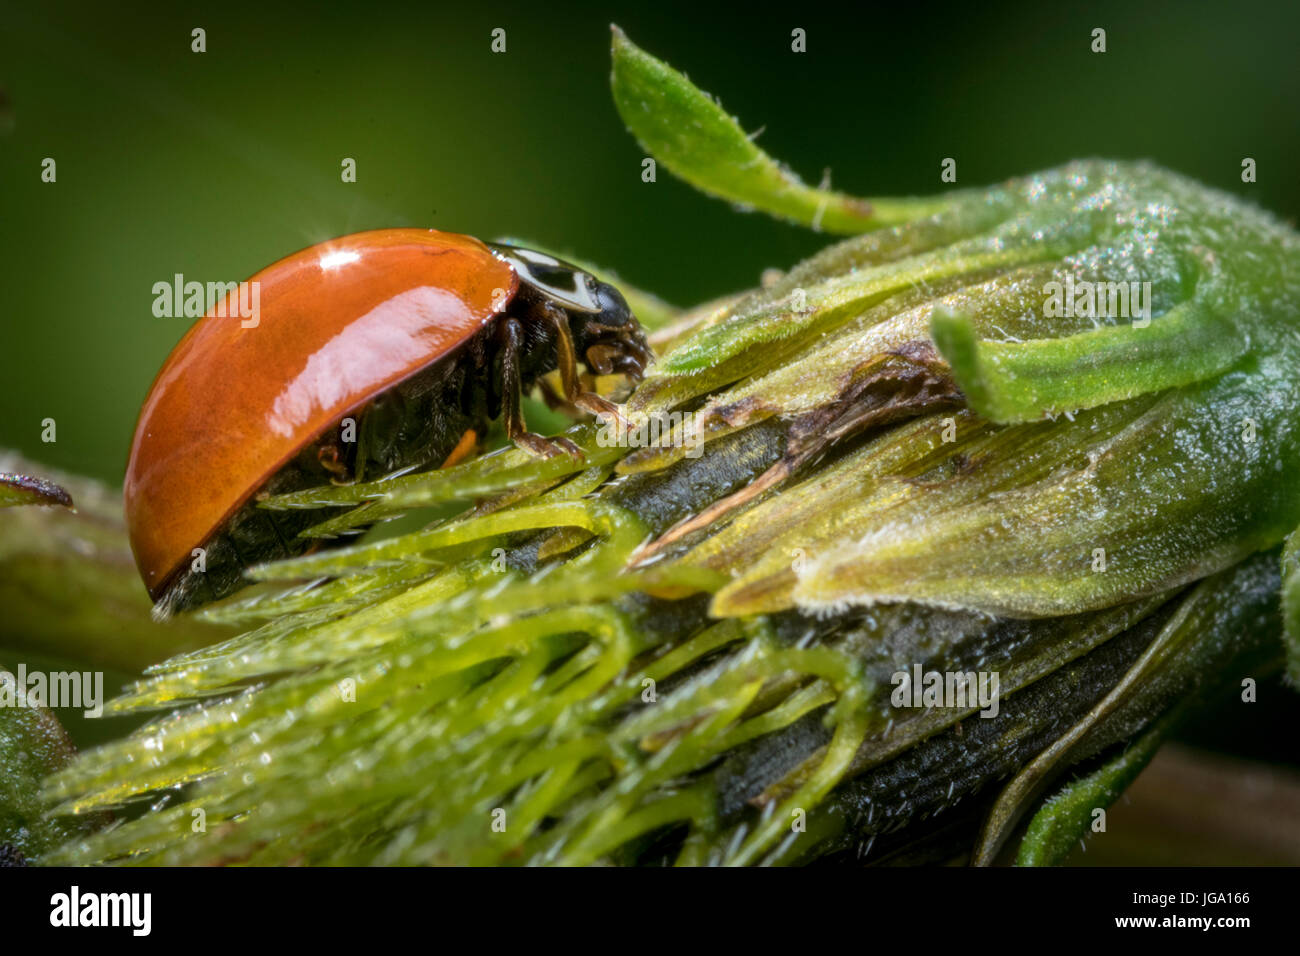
614	309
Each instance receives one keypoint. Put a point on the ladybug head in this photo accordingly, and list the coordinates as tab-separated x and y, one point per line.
605	333
614	312
610	340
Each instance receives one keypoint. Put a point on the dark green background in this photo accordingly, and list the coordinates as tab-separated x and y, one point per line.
214	165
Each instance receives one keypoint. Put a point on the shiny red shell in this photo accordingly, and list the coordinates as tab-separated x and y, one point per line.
339	323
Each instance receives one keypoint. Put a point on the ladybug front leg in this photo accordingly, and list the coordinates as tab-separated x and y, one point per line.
511	345
567	361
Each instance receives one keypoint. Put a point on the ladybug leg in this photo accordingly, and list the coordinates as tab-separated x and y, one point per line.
554	398
332	461
567	360
512	341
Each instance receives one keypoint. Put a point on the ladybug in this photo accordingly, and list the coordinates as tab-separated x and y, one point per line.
378	352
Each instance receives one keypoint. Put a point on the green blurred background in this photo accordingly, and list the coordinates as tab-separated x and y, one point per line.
215	164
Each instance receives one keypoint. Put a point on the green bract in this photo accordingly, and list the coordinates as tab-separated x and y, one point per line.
1042	430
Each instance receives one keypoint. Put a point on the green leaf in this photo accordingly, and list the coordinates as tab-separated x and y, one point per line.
693	136
1067	817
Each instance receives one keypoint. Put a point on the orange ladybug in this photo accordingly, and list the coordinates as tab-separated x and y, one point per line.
413	337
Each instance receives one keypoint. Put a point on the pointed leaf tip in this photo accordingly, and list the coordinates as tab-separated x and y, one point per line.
687	131
29	490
